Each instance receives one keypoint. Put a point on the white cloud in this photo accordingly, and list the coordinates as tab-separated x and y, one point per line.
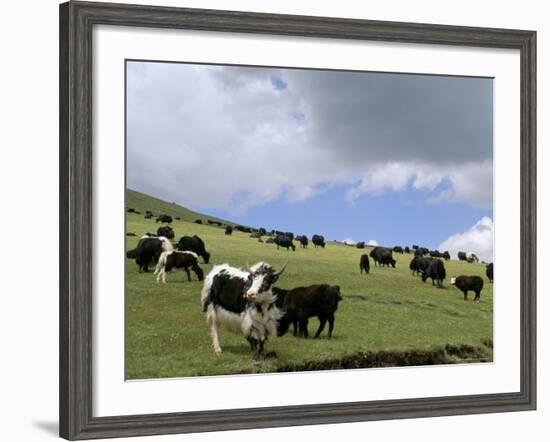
477	239
232	140
349	241
372	242
470	182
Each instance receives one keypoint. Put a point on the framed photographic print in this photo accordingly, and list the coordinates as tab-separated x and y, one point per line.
271	220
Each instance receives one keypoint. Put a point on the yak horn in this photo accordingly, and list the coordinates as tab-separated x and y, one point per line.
282	269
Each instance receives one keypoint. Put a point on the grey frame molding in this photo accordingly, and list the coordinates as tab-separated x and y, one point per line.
76	162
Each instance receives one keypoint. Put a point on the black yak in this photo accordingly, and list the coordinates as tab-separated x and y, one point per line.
301	303
489	271
194	244
465	283
364	263
435	271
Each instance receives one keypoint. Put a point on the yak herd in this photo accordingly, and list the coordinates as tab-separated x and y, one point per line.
248	303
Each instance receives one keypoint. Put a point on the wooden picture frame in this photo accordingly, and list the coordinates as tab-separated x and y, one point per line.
76	166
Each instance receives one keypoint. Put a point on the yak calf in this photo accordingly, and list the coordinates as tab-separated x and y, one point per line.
301	303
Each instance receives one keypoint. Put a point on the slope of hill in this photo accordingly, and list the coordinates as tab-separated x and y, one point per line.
142	202
387	318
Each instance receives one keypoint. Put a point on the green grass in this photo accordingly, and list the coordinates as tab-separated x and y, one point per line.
142	202
387	310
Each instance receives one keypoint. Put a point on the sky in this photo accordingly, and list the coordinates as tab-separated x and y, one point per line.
394	159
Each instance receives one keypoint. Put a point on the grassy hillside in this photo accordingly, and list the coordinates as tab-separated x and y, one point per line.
386	318
142	202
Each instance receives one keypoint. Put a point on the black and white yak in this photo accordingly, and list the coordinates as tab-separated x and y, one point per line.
178	260
149	250
243	302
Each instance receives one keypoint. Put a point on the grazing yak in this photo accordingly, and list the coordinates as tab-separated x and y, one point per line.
289	235
419	264
243	302
166	231
243	229
228	230
398	249
364	263
489	271
407	250
360	245
301	303
465	283
130	234
462	256
285	241
198	221
318	240
194	244
421	251
270	240
131	210
435	271
471	257
149	250
178	260
382	256
164	219
302	239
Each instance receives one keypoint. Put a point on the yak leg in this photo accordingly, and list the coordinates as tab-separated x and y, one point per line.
465	295
188	274
477	296
322	322
295	327
303	328
161	275
254	348
330	325
212	319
